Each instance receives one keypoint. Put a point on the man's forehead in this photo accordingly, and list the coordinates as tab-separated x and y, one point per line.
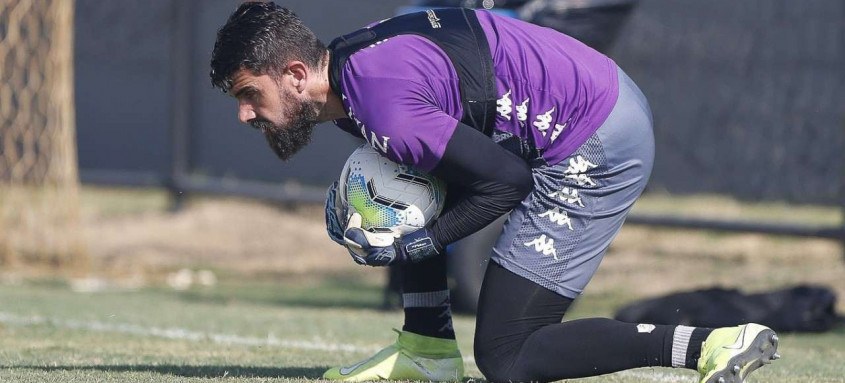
243	76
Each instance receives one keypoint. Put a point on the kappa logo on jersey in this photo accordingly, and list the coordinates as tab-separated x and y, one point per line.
522	112
577	167
568	195
543	245
558	130
504	106
544	121
558	216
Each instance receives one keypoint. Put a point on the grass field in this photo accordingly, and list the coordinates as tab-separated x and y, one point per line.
287	303
257	332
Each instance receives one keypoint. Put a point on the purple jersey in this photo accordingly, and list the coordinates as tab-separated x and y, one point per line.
403	92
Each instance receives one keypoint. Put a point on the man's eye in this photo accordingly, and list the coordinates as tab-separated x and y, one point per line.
250	94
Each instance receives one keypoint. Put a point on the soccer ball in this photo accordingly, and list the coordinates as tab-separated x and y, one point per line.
389	197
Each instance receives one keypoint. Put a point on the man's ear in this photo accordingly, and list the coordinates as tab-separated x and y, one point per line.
299	74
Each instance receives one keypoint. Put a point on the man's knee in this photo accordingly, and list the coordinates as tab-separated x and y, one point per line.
492	367
496	360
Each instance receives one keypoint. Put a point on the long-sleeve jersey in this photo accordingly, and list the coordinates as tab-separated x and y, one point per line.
553	91
402	95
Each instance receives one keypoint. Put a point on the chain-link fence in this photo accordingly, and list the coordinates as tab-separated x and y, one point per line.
39	208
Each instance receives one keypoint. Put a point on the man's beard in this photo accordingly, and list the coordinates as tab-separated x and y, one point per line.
286	142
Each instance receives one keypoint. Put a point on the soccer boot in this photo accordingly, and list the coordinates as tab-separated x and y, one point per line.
411	357
729	354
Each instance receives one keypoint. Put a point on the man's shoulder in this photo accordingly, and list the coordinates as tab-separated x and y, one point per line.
408	57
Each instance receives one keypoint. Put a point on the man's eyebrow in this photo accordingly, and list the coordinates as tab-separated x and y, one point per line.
246	88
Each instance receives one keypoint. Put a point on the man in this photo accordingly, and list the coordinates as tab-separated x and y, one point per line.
515	118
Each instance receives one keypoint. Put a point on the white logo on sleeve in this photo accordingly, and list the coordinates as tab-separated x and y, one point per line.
543	245
645	328
577	167
522	111
544	121
559	217
504	105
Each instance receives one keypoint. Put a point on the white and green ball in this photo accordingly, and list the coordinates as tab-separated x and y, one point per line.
389	196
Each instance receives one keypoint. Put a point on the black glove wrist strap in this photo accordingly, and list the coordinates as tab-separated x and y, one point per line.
419	245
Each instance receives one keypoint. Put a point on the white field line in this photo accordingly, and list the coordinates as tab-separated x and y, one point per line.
179	334
176	333
663	375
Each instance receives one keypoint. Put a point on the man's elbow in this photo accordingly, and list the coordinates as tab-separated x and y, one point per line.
526	185
521	185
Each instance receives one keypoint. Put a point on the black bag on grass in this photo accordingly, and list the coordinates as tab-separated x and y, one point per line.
798	309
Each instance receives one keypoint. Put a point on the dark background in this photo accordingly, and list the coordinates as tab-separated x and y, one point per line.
747	95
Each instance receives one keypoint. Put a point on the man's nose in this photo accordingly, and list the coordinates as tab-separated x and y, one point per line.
245	112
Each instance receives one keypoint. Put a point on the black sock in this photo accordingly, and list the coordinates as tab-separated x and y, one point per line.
694	348
686	345
434	321
425	297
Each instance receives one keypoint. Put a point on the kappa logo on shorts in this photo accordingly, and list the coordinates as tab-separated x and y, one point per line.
568	195
559	217
577	167
543	245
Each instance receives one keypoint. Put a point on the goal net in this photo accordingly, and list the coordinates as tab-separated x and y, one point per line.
39	200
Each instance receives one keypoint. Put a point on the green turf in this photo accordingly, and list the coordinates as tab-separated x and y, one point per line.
259	332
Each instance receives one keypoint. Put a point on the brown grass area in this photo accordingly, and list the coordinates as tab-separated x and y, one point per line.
240	237
130	235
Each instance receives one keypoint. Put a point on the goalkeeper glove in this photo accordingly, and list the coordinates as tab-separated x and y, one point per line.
383	249
334	211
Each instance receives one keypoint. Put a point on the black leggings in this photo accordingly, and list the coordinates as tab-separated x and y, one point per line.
519	335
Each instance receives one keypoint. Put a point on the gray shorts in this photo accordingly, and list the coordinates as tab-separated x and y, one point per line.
558	235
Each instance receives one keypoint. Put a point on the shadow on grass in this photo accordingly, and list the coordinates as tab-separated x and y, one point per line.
204	371
194	371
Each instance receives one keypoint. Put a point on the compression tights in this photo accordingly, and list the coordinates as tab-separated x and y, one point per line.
520	337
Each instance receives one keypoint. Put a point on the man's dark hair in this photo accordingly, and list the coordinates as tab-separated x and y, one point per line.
262	37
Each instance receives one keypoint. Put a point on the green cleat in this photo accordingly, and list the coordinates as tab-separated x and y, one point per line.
412	357
729	354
